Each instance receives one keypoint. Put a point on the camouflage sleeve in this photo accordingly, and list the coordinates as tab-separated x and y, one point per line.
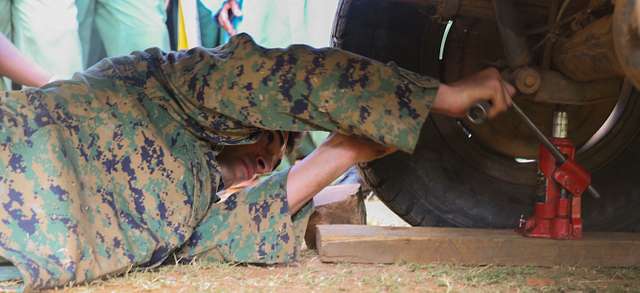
299	89
251	226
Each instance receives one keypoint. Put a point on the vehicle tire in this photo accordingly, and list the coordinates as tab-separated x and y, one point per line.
454	180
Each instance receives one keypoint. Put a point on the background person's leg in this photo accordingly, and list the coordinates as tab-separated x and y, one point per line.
317	23
127	26
280	23
211	35
47	33
92	47
5	18
268	21
5	29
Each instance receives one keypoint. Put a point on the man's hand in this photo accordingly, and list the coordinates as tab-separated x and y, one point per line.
456	98
229	9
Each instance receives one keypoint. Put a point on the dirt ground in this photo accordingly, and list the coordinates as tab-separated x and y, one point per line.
312	275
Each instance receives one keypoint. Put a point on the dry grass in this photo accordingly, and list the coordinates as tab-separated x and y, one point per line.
312	275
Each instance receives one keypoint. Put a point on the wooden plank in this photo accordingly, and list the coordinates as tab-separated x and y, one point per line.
371	244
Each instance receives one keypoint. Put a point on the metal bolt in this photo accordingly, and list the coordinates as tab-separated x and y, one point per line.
560	124
530	80
527	80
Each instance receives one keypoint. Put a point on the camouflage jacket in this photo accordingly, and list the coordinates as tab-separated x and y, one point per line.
117	167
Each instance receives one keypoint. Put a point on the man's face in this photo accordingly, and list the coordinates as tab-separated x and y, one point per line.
242	162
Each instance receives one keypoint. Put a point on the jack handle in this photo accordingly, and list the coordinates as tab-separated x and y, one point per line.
477	114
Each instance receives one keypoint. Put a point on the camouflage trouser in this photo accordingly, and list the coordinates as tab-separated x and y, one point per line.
238	229
118	167
242	228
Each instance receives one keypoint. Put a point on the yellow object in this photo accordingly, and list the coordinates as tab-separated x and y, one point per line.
182	32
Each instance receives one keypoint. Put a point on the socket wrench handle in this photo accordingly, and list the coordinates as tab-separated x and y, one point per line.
479	112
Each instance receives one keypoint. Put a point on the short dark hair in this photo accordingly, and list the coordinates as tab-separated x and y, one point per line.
293	140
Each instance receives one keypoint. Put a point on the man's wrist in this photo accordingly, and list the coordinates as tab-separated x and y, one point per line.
440	102
337	148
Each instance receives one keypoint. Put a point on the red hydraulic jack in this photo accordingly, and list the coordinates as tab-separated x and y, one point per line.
557	214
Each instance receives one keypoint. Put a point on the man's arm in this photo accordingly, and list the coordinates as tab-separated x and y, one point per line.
18	68
301	89
326	163
339	152
298	89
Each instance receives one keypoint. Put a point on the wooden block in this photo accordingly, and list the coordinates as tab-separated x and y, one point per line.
337	204
371	244
335	193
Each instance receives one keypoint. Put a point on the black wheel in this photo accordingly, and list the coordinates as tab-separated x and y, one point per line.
482	176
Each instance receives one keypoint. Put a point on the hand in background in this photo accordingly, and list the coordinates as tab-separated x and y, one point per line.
18	68
229	9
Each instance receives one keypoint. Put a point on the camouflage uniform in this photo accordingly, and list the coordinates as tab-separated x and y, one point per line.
117	167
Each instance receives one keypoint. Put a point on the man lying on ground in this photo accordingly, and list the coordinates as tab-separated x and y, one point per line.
124	165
